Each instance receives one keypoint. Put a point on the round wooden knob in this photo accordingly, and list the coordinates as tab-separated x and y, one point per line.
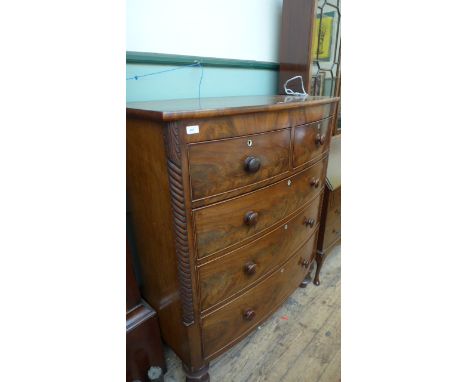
305	263
249	314
250	268
252	164
309	222
251	218
315	182
320	139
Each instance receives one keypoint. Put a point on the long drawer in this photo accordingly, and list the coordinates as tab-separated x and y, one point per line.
229	274
227	223
220	166
228	324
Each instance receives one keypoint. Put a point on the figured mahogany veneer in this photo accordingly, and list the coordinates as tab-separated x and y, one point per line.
310	141
227	275
227	325
219	166
271	204
224	195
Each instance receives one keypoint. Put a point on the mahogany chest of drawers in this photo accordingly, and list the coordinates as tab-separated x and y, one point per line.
225	195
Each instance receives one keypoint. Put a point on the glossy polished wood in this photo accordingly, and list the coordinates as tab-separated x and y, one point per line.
310	141
143	343
298	18
272	204
133	294
227	275
149	198
177	236
224	326
170	110
219	166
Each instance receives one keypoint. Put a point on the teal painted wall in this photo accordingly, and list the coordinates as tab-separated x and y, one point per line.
183	83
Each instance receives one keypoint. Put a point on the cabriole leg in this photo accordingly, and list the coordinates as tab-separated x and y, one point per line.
319	261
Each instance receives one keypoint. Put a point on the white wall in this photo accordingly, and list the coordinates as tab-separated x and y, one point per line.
242	29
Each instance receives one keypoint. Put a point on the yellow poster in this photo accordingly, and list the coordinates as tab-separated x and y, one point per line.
322	39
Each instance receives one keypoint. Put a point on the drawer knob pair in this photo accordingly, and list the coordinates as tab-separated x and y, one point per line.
320	139
315	182
252	164
309	222
305	263
250	268
251	218
249	314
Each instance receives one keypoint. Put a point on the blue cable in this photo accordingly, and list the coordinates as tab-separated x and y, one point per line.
198	63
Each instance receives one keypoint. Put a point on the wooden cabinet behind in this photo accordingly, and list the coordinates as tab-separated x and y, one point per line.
330	220
224	191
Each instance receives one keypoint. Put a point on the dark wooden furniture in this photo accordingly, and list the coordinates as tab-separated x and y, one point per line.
330	220
145	358
225	195
298	19
297	50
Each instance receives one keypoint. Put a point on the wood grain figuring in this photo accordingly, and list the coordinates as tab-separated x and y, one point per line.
219	166
246	124
209	213
149	199
228	324
305	347
310	141
193	108
272	204
227	275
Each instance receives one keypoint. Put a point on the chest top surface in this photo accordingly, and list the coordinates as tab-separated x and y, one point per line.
169	110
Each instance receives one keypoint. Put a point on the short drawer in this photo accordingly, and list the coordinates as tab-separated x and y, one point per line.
220	166
310	141
229	274
224	224
238	317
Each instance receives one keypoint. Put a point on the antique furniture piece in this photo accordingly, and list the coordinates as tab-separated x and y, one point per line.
330	220
225	195
145	359
310	47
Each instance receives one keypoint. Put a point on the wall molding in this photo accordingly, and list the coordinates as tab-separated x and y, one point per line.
176	59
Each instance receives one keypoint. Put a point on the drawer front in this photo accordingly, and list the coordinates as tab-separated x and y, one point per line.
236	319
334	201
227	275
231	222
252	123
216	167
310	141
332	228
333	222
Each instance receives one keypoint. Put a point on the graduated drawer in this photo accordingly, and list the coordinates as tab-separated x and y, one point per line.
224	224
227	275
220	166
310	141
234	320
